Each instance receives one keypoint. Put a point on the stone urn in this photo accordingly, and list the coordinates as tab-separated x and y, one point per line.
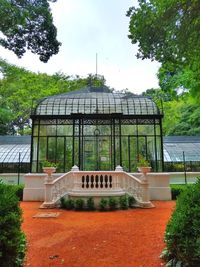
144	171
49	171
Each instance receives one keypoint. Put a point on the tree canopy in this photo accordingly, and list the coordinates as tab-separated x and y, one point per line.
20	90
168	31
28	24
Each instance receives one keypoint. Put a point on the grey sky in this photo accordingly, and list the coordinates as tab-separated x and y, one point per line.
87	27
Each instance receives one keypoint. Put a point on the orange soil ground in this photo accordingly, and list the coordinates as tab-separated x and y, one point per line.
132	238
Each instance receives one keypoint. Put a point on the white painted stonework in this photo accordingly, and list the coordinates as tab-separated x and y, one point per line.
159	185
77	183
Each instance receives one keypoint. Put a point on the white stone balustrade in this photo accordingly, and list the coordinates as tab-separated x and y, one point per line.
96	184
56	189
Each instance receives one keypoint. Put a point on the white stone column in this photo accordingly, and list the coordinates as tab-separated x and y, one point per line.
47	193
145	195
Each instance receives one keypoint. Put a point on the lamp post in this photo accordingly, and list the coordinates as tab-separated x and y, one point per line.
19	167
184	167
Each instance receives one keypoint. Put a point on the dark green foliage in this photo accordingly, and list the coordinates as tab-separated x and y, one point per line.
79	204
131	201
90	204
183	230
103	204
12	239
19	191
20	91
62	202
28	26
112	203
67	204
177	189
168	31
123	202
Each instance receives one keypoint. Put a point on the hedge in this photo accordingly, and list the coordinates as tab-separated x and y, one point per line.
12	239
183	230
177	189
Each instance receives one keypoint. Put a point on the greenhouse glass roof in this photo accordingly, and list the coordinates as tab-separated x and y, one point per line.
11	146
174	146
96	100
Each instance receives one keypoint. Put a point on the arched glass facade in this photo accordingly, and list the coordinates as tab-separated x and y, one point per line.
96	129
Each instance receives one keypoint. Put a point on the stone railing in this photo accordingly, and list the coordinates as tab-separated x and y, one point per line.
137	188
55	189
96	184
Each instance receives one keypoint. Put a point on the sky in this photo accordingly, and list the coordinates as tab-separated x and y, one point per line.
90	27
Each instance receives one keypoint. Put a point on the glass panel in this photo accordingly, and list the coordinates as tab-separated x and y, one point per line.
43	130
51	130
142	146
42	151
103	152
35	130
51	153
157	129
133	152
60	154
128	129
68	153
76	151
125	153
89	159
64	130
145	129
151	151
158	147
97	153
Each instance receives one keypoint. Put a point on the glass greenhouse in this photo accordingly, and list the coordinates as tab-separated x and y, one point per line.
14	154
96	129
180	151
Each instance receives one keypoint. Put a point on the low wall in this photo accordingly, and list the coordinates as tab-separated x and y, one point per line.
12	178
179	177
34	186
159	186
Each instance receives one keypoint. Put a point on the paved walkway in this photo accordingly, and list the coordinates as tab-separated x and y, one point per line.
132	238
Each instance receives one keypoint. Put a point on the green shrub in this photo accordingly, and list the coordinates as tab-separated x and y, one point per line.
177	189
62	203
79	204
90	204
12	239
19	191
17	188
69	204
183	230
112	203
131	201
103	203
123	202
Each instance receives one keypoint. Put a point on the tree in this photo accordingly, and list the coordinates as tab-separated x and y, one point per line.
28	24
168	31
20	91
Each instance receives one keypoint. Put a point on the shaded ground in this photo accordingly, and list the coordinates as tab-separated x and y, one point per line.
132	238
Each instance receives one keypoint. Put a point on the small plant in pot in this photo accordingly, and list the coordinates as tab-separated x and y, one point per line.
49	168
143	165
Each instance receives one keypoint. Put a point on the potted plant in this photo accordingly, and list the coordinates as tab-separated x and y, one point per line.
48	168
143	165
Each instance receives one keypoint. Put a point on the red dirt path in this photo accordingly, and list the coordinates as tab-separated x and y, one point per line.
132	238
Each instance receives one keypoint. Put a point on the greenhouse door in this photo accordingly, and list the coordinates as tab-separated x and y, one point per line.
96	153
